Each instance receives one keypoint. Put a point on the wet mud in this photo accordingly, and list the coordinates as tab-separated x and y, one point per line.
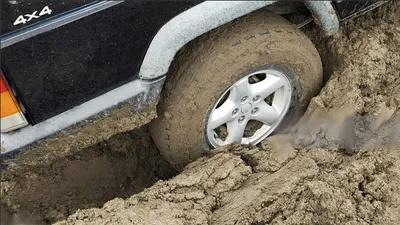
338	165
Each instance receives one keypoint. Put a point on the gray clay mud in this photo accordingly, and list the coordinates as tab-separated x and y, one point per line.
51	188
339	165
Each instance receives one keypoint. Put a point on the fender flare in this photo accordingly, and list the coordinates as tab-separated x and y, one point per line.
206	16
187	26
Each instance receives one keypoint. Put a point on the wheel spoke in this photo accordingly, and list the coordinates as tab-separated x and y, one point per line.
222	115
235	131
267	86
239	90
268	114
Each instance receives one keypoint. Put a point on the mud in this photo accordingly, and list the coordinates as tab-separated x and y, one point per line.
44	186
363	92
305	187
339	165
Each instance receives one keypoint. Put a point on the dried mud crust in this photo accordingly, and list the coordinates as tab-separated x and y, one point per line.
340	165
211	64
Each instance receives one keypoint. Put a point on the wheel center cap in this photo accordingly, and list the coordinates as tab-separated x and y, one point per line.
247	107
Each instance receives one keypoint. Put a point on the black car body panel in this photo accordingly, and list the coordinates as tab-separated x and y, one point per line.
11	10
57	70
347	9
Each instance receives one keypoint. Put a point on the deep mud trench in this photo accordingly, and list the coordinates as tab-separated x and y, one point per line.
42	189
339	165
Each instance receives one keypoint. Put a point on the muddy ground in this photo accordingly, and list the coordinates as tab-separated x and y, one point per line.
43	187
339	165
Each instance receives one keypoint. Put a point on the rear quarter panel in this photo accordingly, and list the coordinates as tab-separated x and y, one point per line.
62	68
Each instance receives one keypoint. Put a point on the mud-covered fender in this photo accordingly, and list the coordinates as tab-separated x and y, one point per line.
187	26
324	15
206	16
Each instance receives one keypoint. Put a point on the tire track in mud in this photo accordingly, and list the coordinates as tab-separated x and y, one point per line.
314	187
52	188
338	167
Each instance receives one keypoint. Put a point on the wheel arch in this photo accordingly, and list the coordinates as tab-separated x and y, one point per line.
206	16
186	27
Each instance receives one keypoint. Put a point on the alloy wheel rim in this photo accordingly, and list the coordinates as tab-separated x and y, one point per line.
262	97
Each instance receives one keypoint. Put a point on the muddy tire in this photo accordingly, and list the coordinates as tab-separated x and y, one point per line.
208	66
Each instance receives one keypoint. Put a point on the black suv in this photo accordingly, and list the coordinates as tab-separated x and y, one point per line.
234	71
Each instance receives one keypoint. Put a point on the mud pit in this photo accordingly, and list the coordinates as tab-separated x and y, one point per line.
340	165
42	188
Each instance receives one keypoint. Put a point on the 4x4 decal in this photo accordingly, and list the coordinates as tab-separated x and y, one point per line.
22	19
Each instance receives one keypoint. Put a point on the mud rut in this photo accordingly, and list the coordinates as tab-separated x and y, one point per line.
339	165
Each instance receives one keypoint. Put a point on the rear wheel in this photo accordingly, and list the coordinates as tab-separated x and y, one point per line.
239	83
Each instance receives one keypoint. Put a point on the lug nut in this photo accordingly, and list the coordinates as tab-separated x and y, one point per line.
241	118
244	99
234	112
256	98
255	110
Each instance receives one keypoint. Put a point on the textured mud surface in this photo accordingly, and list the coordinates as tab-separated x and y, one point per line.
48	184
258	186
339	165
